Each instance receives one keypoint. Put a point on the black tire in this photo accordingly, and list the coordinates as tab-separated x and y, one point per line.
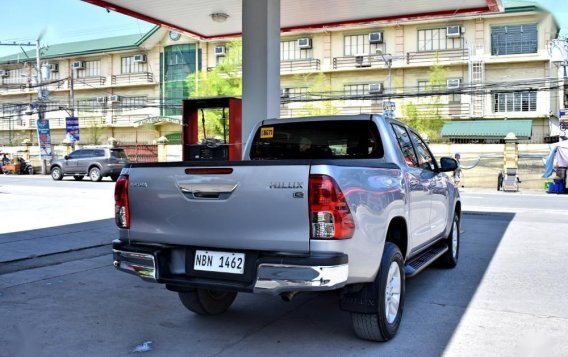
56	173
78	177
378	326
500	182
95	174
30	170
114	178
450	259
207	301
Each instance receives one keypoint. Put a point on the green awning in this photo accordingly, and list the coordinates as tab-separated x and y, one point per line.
482	129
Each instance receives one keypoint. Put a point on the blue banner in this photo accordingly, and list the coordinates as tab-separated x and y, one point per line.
72	129
44	137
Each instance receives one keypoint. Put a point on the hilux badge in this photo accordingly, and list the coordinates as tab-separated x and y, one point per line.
286	185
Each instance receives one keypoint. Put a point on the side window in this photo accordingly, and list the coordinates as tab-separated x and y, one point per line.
99	153
87	153
76	154
405	145
424	155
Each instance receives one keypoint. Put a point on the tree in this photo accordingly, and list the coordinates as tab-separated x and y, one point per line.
426	117
317	85
225	79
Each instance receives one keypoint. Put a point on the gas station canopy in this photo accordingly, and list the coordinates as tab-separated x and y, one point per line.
209	19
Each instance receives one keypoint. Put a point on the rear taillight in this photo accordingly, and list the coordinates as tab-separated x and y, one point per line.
121	210
330	216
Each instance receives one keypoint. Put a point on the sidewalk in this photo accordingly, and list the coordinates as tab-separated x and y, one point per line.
46	241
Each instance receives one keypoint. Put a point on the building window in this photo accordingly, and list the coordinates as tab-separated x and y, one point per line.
290	51
512	40
298	93
436	39
87	105
514	102
359	44
127	65
178	62
356	92
92	69
129	103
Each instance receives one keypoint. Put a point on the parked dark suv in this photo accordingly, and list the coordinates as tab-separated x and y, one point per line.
96	162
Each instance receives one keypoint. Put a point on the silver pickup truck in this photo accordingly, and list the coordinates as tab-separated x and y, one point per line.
354	203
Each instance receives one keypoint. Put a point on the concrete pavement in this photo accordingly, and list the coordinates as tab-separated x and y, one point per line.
505	298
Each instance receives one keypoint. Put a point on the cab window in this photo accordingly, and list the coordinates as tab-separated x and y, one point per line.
405	145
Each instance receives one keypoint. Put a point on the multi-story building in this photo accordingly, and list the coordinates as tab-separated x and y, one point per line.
467	69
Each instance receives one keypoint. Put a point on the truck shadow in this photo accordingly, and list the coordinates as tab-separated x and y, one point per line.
436	301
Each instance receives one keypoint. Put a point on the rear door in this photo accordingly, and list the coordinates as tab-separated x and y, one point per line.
418	189
437	186
258	206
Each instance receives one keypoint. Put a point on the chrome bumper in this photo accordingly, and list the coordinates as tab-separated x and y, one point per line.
268	278
140	264
276	278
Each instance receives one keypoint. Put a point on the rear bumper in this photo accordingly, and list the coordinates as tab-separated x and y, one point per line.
265	274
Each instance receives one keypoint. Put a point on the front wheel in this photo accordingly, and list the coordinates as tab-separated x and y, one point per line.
95	174
383	325
56	174
207	301
450	259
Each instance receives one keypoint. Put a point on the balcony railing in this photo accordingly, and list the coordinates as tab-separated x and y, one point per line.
87	82
131	78
301	65
425	57
363	61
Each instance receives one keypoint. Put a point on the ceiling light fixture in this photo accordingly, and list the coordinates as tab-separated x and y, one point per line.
219	16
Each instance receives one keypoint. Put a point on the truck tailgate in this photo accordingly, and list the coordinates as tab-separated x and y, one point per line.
260	206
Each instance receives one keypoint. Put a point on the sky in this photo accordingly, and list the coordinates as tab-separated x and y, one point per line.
75	20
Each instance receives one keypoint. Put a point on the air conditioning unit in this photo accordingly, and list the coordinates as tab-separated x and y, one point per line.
453	83
54	67
78	65
375	37
362	60
114	98
101	100
4	73
220	50
140	58
305	43
284	92
454	31
376	88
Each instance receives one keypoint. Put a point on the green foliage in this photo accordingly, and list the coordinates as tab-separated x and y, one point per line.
94	133
426	116
225	79
317	84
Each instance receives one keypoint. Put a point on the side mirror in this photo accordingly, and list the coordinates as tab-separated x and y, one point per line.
66	157
448	164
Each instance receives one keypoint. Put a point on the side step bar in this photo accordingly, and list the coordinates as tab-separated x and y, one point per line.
419	263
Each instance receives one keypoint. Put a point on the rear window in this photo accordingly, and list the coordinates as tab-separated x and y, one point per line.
342	139
118	154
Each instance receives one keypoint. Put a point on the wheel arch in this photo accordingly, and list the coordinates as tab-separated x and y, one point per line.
397	233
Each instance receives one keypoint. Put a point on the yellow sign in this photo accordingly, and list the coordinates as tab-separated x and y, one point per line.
267	133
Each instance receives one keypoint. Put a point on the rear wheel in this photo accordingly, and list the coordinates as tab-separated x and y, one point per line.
78	177
114	177
207	301
383	325
56	173
450	258
95	174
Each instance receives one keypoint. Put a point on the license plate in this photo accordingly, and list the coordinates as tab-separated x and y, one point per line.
221	262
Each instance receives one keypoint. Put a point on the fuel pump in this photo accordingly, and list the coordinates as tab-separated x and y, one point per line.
211	149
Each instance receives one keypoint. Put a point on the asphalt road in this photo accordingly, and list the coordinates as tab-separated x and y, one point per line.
60	296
